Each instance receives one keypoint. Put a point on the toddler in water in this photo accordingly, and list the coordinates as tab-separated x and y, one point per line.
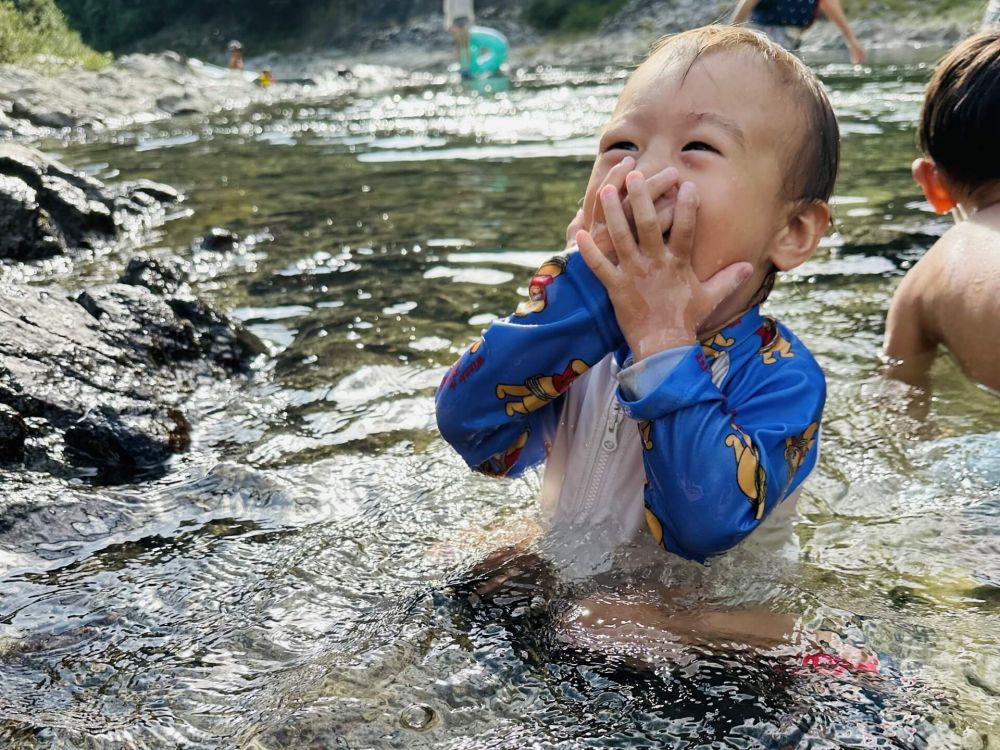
952	296
641	370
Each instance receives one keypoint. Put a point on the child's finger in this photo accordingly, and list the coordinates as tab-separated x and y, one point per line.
616	177
682	231
664	206
603	268
574	226
618	226
599	233
662	188
727	281
664	216
662	183
647	227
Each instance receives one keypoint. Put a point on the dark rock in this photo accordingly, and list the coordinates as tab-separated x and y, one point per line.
165	275
102	379
178	104
47	209
124	444
227	344
155	190
26	230
13	432
22	110
141	324
219	240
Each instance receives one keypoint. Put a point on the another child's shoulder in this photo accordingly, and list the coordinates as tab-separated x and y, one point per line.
962	254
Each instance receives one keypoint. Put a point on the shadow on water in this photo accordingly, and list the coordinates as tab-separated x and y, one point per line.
499	632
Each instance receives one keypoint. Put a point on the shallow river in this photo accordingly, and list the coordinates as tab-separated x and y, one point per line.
301	577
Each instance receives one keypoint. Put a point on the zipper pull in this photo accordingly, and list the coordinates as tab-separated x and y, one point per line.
610	441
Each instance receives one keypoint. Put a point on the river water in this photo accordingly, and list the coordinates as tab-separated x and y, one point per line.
309	575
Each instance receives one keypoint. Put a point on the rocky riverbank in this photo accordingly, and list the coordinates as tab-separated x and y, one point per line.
134	89
95	380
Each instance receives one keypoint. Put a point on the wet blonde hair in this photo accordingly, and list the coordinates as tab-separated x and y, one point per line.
812	163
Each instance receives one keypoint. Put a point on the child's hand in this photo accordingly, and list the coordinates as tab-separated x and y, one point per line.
659	301
662	187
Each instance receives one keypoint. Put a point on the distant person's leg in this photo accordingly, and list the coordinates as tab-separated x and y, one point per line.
460	32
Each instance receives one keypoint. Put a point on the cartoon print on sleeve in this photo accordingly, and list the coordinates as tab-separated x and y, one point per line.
716	356
797	448
500	464
538	286
538	390
772	342
654	525
750	475
453	377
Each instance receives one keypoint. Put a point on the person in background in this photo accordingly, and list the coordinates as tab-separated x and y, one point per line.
235	55
786	20
459	17
952	295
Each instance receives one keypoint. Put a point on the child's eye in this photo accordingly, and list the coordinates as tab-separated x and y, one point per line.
700	146
622	146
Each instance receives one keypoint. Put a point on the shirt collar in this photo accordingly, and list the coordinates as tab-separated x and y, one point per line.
741	328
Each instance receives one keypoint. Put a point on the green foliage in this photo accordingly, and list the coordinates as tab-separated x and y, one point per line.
570	15
34	34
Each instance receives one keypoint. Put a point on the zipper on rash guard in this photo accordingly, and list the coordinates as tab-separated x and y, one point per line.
605	443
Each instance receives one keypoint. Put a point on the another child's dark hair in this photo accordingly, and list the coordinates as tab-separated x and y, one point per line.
959	122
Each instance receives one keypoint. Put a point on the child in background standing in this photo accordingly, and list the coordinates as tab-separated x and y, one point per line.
459	18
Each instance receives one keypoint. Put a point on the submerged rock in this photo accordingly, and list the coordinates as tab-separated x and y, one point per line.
48	209
13	431
102	376
218	239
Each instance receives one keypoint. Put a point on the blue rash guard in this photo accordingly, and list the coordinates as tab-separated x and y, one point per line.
799	13
727	429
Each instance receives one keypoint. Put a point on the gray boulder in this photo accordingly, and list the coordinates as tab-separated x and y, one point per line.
99	380
48	209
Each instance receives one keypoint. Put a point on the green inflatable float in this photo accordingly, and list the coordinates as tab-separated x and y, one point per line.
489	51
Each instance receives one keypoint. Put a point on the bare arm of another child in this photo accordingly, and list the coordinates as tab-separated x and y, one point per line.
908	341
743	10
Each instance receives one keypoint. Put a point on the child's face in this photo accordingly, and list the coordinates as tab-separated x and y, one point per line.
726	126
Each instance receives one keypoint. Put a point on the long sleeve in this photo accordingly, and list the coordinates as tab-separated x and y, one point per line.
499	404
719	459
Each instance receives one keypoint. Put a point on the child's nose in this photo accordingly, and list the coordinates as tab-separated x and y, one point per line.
653	161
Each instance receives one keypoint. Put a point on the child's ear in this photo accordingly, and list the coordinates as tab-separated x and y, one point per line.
798	239
927	175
